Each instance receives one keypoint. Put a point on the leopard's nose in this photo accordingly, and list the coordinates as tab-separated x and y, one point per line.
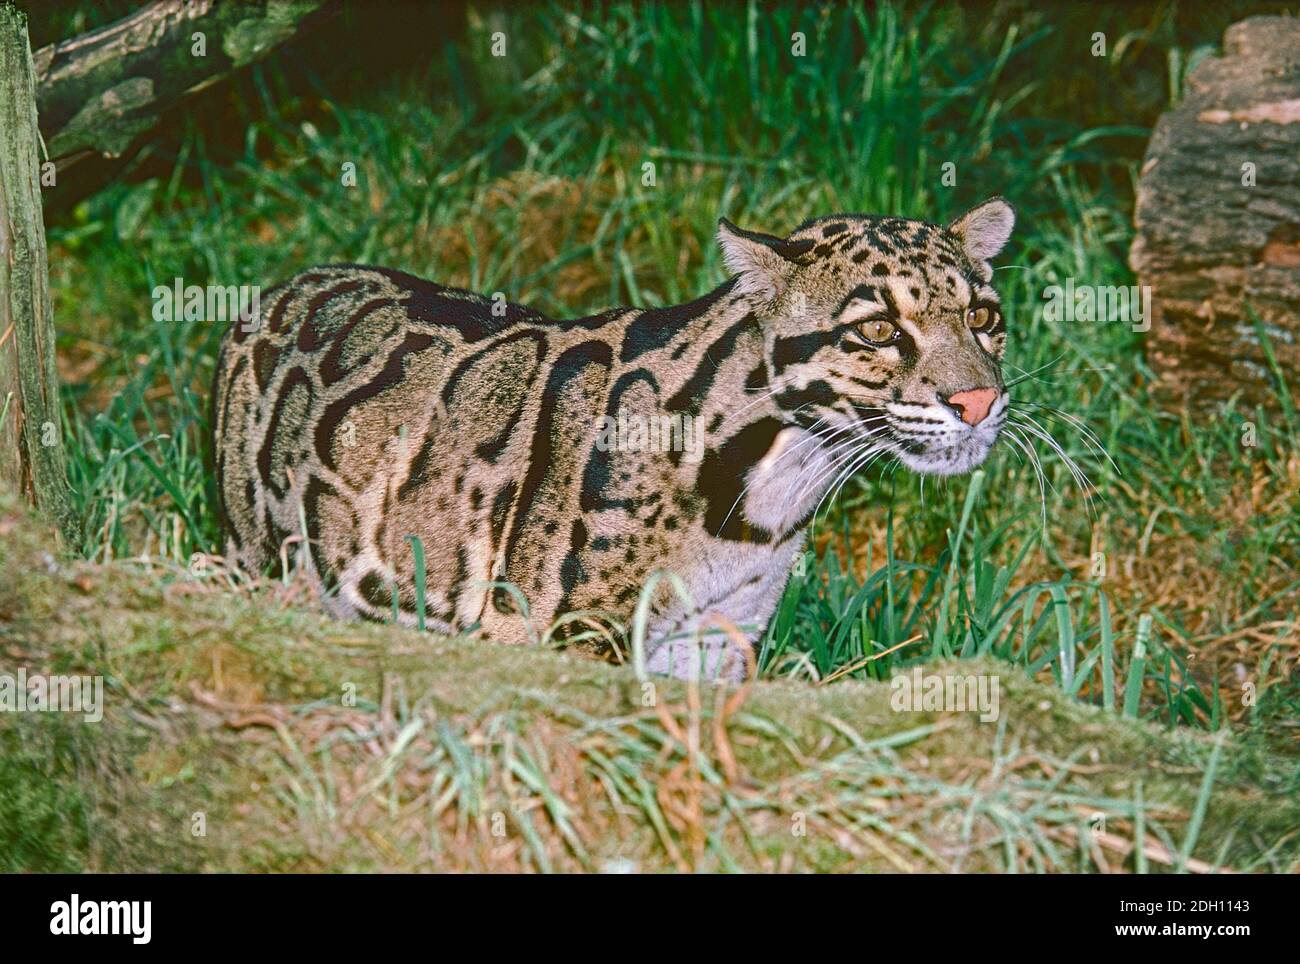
972	406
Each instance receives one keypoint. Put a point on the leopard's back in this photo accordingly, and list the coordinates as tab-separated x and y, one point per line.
369	405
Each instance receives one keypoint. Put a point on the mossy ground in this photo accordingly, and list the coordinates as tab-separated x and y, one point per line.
296	743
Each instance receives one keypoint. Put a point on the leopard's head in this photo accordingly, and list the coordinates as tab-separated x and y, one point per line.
884	331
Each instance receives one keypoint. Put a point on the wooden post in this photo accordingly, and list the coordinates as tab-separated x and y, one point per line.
31	438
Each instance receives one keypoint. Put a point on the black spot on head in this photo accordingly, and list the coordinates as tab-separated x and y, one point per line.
880	268
836	227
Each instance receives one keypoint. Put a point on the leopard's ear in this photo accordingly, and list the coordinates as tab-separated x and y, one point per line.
761	262
984	230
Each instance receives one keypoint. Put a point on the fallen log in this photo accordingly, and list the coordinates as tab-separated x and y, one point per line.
98	92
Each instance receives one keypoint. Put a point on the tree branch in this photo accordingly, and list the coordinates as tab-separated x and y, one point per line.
98	92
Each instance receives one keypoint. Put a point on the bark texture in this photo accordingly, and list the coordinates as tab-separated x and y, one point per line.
31	439
98	92
1218	222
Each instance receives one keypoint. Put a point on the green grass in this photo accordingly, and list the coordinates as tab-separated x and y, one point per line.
531	183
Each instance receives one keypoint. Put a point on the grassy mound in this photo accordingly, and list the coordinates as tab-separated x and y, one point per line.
247	734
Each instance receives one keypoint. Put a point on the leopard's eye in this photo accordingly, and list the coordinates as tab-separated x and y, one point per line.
982	318
878	331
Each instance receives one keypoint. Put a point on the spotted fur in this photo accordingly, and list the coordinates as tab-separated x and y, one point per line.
369	406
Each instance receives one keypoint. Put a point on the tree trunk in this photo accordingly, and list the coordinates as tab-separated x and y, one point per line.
1218	222
98	92
31	440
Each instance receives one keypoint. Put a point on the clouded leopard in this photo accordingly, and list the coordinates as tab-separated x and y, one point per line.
368	406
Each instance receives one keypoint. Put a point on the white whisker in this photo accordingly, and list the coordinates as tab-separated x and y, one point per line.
1081	480
1014	439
